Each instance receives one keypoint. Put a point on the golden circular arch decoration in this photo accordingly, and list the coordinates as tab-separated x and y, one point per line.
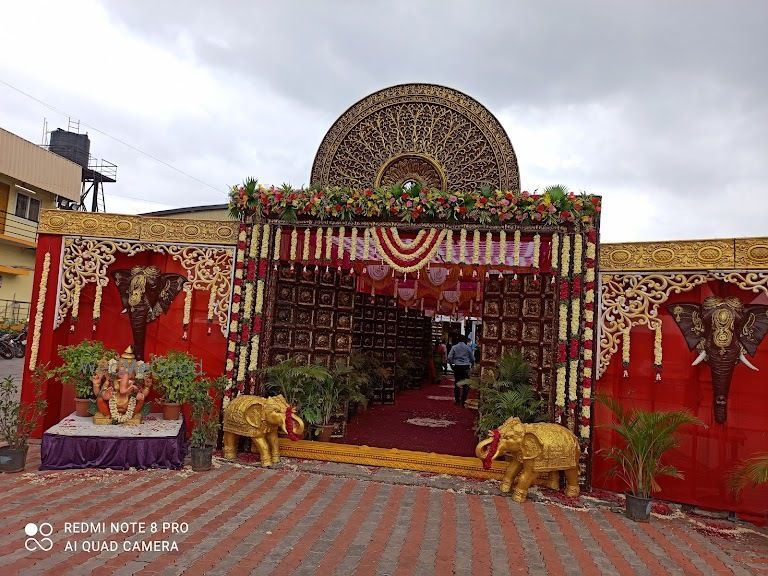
426	133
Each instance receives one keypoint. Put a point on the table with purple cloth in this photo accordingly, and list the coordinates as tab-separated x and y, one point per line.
76	442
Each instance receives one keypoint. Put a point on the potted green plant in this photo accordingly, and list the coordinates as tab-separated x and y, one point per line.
324	397
750	472
375	373
175	374
646	436
206	410
18	420
506	391
353	385
80	362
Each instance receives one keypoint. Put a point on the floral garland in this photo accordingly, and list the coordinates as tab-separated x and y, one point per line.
211	306
252	364
625	349
294	244
402	243
462	246
116	416
328	242
248	306
488	248
100	283
562	333
277	246
553	207
353	245
589	336
503	248
305	245
657	354
384	233
254	245
188	310
318	243
536	249
409	263
341	236
264	242
75	308
41	295
516	249
237	290
449	247
366	244
476	247
555	250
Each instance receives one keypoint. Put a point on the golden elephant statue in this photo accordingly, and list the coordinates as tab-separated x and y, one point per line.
259	419
535	449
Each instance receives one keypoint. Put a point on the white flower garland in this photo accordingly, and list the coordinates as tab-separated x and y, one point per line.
41	296
575	319
76	305
264	249
211	302
278	243
254	246
187	308
560	387
657	354
115	415
565	258
248	305
415	255
294	244
402	244
318	243
625	350
259	296
488	248
577	253
476	247
241	236
562	332
97	300
555	249
449	247
574	369
417	265
516	249
503	248
366	244
253	362
536	249
305	247
340	251
353	245
243	364
462	246
328	242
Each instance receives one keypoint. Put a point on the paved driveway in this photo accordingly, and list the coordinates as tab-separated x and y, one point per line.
321	518
13	368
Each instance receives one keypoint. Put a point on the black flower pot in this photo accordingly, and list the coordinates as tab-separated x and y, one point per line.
201	458
13	459
638	508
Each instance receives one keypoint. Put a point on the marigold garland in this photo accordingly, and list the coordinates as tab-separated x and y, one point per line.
41	296
536	249
516	249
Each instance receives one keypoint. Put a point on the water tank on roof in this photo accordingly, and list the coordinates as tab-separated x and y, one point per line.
70	145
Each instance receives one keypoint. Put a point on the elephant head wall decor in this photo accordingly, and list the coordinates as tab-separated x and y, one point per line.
535	449
146	294
723	331
260	418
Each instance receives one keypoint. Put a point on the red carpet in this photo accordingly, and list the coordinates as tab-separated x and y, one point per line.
436	424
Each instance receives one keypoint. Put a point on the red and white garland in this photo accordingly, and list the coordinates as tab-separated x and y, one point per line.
588	337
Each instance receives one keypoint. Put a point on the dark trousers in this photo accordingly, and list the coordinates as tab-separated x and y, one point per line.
460	393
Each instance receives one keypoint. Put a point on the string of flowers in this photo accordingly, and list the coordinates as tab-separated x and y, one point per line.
449	246
536	249
318	243
562	334
488	248
422	247
516	249
625	348
555	249
328	242
463	246
366	244
476	247
406	246
234	323
305	248
41	295
407	263
188	310
115	415
294	244
657	358
556	205
589	336
100	283
278	237
75	308
503	247
576	282
254	244
353	245
341	235
253	362
211	306
264	251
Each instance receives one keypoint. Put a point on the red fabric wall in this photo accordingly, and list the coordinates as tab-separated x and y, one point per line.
705	455
114	328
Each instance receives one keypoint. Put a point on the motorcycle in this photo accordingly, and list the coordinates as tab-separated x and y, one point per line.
19	342
7	348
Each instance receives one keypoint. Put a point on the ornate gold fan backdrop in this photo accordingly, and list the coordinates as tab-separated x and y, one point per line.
417	133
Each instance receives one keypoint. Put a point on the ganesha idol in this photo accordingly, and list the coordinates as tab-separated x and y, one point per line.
121	387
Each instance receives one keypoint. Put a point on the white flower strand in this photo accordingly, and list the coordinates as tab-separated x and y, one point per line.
318	243
577	253
555	249
41	296
353	245
488	248
536	249
305	248
367	243
278	243
248	301
516	249
97	300
259	297
503	248
340	251
328	242
254	246
463	246
449	247
253	362
264	252
211	302
657	352
565	259
294	244
476	247
626	344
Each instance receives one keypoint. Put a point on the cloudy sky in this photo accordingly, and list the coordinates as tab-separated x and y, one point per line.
660	107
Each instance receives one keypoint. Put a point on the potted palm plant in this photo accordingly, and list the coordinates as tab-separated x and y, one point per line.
352	385
206	409
175	374
18	420
297	383
750	472
81	361
647	436
506	391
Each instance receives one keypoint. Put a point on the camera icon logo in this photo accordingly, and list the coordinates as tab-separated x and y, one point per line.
43	529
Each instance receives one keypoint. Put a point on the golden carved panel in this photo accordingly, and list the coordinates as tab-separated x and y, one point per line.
679	255
90	224
123	227
751	253
421	132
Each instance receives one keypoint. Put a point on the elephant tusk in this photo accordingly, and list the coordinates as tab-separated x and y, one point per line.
700	358
747	363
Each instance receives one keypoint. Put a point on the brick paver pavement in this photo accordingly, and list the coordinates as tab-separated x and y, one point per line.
321	519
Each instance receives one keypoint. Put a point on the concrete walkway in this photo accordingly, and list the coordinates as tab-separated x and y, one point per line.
319	518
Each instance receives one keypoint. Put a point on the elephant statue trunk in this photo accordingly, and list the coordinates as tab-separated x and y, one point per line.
293	426
723	331
488	450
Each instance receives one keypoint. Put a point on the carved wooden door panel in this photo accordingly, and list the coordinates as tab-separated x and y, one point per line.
520	314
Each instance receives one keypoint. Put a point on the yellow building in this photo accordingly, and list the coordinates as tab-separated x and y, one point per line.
31	178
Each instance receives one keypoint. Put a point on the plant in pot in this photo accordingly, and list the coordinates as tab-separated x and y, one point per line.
206	411
506	391
375	372
18	420
296	383
353	384
81	361
646	436
324	397
175	374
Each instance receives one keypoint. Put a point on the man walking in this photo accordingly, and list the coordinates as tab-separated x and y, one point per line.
461	360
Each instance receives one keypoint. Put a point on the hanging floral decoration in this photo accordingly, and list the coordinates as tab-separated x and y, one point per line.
328	242
588	337
410	259
502	247
476	247
305	247
353	245
625	349
75	308
341	235
536	249
41	296
463	246
555	249
276	249
294	244
516	249
211	307
488	248
657	354
554	206
187	310
100	283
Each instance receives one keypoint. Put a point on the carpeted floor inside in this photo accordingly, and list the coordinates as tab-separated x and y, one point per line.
426	419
